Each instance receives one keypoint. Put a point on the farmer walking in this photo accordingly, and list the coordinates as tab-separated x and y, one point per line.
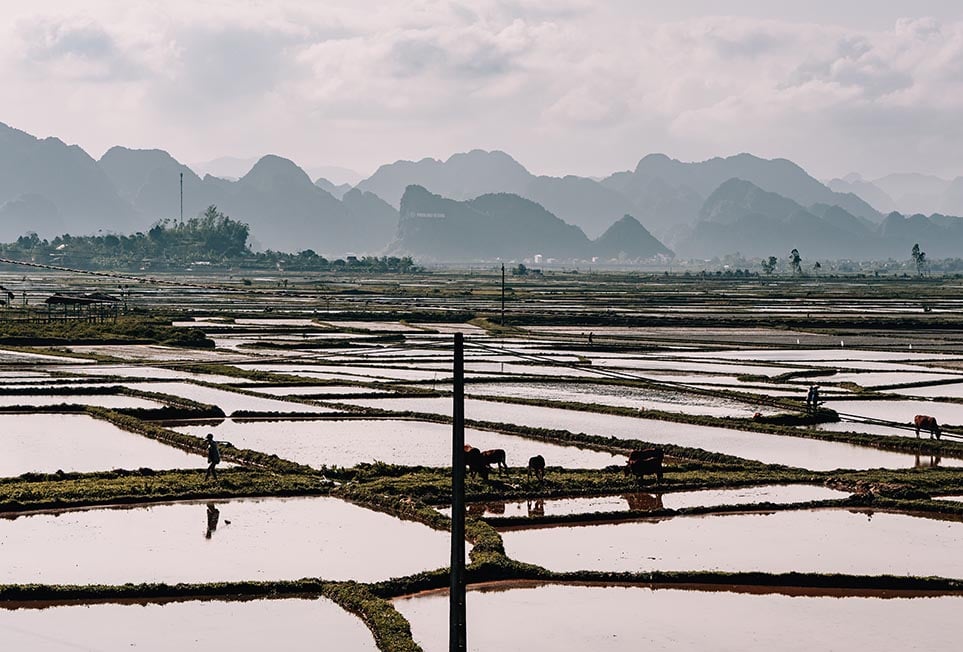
213	456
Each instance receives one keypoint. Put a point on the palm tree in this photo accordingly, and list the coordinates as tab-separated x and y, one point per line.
919	257
795	261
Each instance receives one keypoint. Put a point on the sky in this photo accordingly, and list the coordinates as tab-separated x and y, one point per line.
565	86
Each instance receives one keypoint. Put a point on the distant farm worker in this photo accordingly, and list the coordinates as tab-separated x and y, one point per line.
811	400
213	456
815	398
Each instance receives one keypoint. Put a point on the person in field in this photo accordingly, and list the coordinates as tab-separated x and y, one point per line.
213	456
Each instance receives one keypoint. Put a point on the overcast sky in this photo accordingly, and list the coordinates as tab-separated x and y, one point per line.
565	86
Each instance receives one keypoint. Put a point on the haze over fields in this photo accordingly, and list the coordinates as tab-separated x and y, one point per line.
567	130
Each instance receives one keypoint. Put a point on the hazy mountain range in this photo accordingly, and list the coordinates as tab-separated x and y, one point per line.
483	205
907	193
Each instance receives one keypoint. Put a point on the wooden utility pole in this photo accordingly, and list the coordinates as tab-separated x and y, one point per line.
182	197
456	600
503	294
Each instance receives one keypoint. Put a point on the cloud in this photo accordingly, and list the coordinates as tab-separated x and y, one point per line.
565	86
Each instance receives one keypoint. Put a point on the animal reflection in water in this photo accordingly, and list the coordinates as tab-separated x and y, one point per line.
928	423
640	502
213	515
927	461
480	509
536	507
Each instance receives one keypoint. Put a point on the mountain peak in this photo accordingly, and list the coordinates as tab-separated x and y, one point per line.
270	169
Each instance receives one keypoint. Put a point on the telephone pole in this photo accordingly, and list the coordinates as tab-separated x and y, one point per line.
182	197
456	593
503	294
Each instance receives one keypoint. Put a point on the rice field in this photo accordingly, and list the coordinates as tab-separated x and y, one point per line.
327	521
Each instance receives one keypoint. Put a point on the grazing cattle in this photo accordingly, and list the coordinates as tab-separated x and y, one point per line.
645	461
475	462
536	466
925	422
640	502
495	456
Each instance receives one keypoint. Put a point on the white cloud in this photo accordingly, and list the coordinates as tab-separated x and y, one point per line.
566	87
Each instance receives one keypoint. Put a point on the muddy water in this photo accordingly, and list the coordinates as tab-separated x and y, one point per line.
371	373
819	541
619	396
76	442
900	411
266	539
112	401
954	390
629	619
316	390
158	373
779	494
770	449
884	378
348	442
840	354
229	401
254	626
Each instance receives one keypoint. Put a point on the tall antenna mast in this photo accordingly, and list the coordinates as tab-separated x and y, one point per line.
182	197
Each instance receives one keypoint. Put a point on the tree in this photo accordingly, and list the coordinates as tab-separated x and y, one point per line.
919	257
795	261
817	267
769	266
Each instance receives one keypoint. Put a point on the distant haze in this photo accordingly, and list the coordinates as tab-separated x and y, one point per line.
566	86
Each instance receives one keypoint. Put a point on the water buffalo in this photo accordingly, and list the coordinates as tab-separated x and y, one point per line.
536	466
495	456
475	461
926	422
645	461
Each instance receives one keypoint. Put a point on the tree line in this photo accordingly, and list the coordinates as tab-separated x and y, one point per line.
212	239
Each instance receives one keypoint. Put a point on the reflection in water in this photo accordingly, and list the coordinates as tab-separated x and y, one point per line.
642	502
213	514
480	509
536	509
927	461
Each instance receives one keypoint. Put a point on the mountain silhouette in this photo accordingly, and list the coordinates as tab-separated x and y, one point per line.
577	200
41	179
509	227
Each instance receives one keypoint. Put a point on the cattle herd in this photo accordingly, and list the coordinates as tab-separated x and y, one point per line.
640	463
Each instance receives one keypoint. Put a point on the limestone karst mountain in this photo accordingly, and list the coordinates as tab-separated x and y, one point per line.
48	185
508	227
576	200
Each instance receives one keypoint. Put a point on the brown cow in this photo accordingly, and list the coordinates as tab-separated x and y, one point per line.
925	422
645	461
536	466
495	456
475	462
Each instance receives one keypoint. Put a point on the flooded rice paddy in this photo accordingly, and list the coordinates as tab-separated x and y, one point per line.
736	372
192	626
347	442
46	443
651	501
779	542
770	449
216	541
610	619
